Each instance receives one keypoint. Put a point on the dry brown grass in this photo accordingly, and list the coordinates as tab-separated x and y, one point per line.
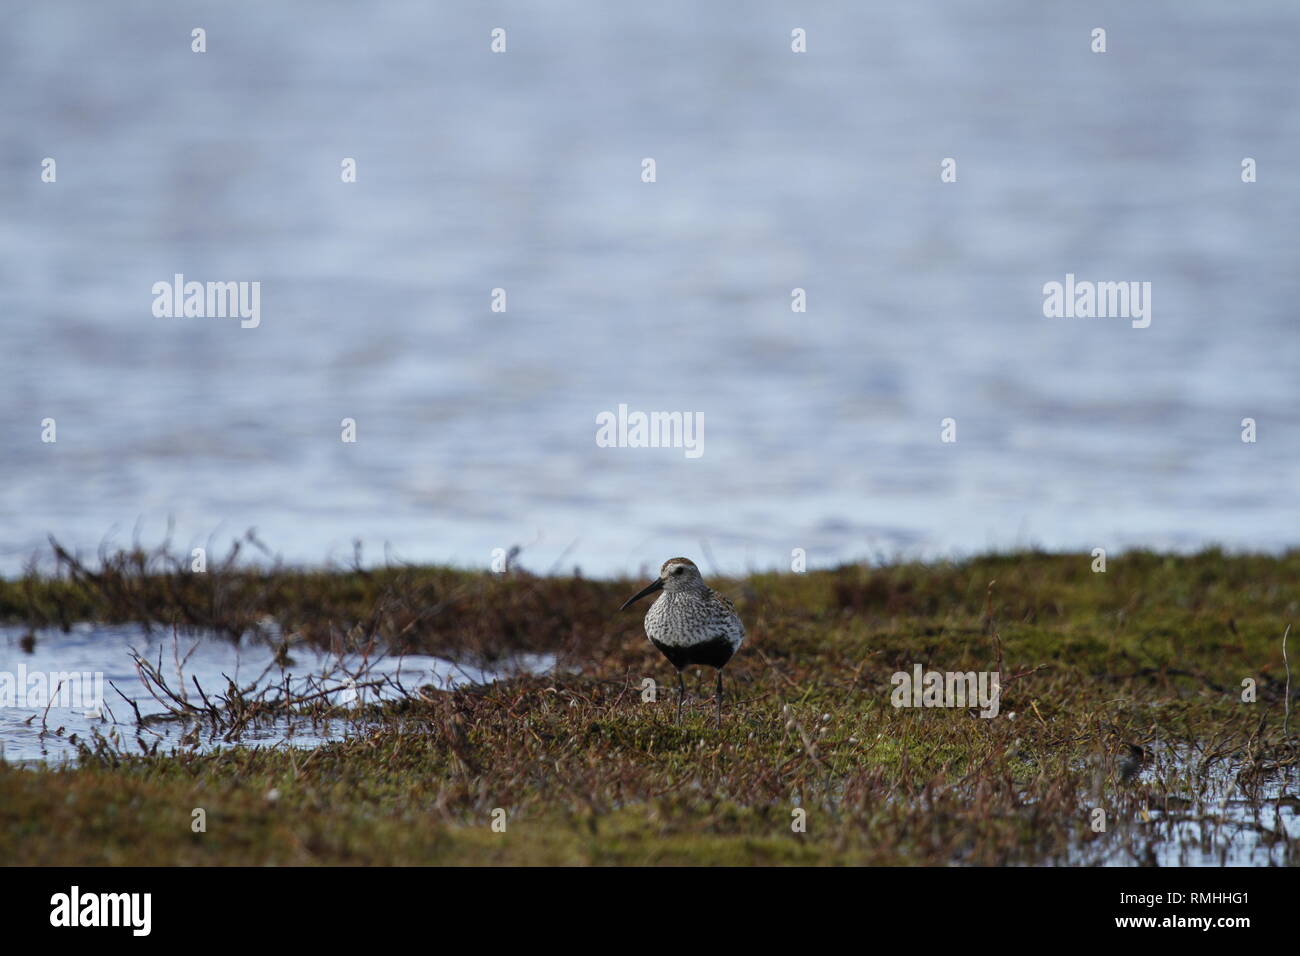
1151	653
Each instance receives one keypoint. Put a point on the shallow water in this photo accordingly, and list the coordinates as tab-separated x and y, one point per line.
476	430
1223	832
31	733
1172	814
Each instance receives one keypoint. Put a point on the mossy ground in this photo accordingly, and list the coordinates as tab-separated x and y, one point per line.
1153	651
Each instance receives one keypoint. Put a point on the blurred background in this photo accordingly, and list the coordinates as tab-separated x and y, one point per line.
476	430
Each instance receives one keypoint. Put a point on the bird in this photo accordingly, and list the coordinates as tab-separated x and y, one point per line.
690	623
1130	765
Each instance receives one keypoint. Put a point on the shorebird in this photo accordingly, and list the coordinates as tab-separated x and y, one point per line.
1130	765
690	623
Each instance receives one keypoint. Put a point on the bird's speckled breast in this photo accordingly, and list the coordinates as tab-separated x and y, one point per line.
685	619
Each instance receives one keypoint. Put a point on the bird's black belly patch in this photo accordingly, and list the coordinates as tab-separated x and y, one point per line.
711	653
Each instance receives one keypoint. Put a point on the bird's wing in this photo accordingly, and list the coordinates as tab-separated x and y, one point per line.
727	611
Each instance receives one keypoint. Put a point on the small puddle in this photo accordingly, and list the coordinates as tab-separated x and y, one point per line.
86	668
1176	813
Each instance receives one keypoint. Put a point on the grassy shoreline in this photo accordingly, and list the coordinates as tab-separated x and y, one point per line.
1152	652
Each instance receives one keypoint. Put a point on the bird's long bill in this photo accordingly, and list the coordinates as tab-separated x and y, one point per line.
648	589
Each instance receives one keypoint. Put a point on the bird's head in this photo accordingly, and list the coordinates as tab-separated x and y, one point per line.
677	574
680	574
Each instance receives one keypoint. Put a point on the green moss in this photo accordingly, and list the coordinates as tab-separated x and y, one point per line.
1154	651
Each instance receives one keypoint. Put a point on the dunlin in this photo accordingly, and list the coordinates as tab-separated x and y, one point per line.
1130	765
690	623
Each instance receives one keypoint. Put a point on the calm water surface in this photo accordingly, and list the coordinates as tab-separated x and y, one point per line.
775	171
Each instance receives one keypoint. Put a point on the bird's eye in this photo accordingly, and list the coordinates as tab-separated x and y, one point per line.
677	570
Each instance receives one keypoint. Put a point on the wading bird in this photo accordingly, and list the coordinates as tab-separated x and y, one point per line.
690	623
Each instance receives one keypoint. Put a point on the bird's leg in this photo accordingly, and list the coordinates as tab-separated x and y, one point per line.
681	692
719	698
